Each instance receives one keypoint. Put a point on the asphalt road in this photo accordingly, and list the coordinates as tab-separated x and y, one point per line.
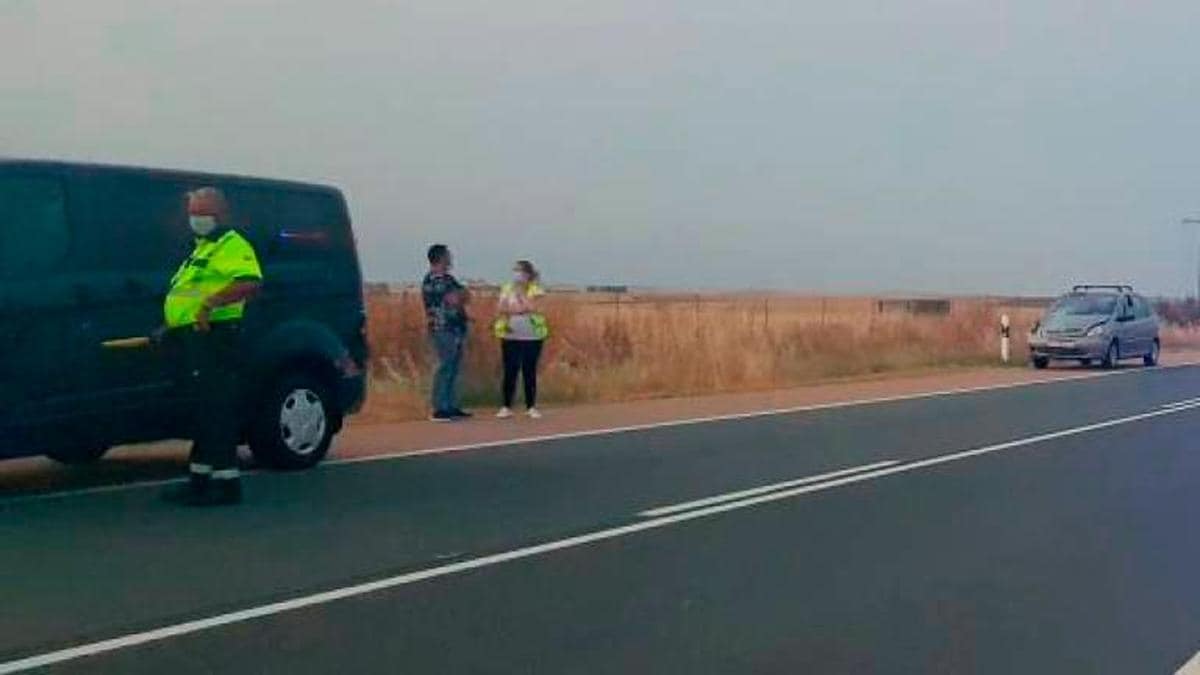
1041	529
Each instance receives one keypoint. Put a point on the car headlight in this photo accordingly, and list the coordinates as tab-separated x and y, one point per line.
1097	331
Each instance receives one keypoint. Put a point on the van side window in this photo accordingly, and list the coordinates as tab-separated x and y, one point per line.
1141	308
135	222
34	234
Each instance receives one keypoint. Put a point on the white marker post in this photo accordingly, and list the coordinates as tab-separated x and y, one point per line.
1005	332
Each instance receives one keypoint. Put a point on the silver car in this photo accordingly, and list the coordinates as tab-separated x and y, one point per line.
1096	323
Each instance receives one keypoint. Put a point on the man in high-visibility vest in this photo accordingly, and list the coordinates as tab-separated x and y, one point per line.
203	311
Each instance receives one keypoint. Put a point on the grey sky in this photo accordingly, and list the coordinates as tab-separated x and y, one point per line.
926	145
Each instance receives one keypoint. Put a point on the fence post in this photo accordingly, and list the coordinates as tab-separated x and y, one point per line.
1005	331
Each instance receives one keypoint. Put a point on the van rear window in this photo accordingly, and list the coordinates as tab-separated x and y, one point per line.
289	224
34	234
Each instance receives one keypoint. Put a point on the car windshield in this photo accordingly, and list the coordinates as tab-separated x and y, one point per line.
1084	305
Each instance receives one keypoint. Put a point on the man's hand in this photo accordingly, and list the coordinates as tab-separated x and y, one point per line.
238	291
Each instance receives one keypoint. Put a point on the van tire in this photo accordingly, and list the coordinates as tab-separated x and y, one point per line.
78	455
1151	359
1112	356
295	423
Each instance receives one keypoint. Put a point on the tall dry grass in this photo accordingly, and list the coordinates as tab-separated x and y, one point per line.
607	349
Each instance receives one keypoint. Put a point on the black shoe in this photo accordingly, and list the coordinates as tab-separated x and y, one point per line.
461	414
442	416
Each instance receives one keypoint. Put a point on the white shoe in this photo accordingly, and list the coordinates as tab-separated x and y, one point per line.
504	414
534	414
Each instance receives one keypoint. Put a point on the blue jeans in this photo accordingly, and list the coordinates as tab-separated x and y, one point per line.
449	348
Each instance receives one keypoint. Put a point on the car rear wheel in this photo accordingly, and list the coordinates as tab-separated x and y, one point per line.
78	455
1085	362
295	423
1151	359
1112	356
1040	362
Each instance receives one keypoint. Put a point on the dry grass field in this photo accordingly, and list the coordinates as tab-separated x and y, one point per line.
609	348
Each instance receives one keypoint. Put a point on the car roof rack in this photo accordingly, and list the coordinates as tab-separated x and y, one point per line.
1110	287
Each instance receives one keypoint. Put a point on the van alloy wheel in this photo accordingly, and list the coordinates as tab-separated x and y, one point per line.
302	421
295	421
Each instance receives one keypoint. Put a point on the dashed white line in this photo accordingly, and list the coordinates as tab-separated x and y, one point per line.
741	494
1177	404
189	627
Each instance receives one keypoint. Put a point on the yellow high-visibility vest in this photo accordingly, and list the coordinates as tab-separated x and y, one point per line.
541	329
213	265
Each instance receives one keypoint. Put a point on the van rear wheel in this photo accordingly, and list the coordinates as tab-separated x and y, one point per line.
295	423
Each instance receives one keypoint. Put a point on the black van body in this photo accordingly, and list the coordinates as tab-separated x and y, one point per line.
86	255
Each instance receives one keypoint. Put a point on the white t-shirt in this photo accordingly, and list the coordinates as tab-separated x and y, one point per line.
520	326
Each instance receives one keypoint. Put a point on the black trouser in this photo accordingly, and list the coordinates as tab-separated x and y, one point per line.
213	381
520	356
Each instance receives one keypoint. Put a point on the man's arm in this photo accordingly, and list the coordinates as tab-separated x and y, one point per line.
236	292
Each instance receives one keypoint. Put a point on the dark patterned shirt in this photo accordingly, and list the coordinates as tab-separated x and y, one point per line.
440	315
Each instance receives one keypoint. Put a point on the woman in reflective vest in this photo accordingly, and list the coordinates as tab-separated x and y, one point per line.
522	330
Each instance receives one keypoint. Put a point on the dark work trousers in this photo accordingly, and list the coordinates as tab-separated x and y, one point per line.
520	356
213	380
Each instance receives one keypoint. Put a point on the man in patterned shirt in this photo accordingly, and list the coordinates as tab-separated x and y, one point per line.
446	314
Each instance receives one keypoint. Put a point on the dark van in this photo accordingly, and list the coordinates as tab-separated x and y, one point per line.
86	255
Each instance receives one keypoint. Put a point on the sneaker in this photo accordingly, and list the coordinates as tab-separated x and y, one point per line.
534	414
461	414
504	413
442	416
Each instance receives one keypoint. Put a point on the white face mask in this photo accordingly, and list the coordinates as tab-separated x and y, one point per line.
520	277
202	225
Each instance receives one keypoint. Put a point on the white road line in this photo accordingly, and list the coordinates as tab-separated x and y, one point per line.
1176	404
404	454
1192	667
741	494
854	403
186	628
